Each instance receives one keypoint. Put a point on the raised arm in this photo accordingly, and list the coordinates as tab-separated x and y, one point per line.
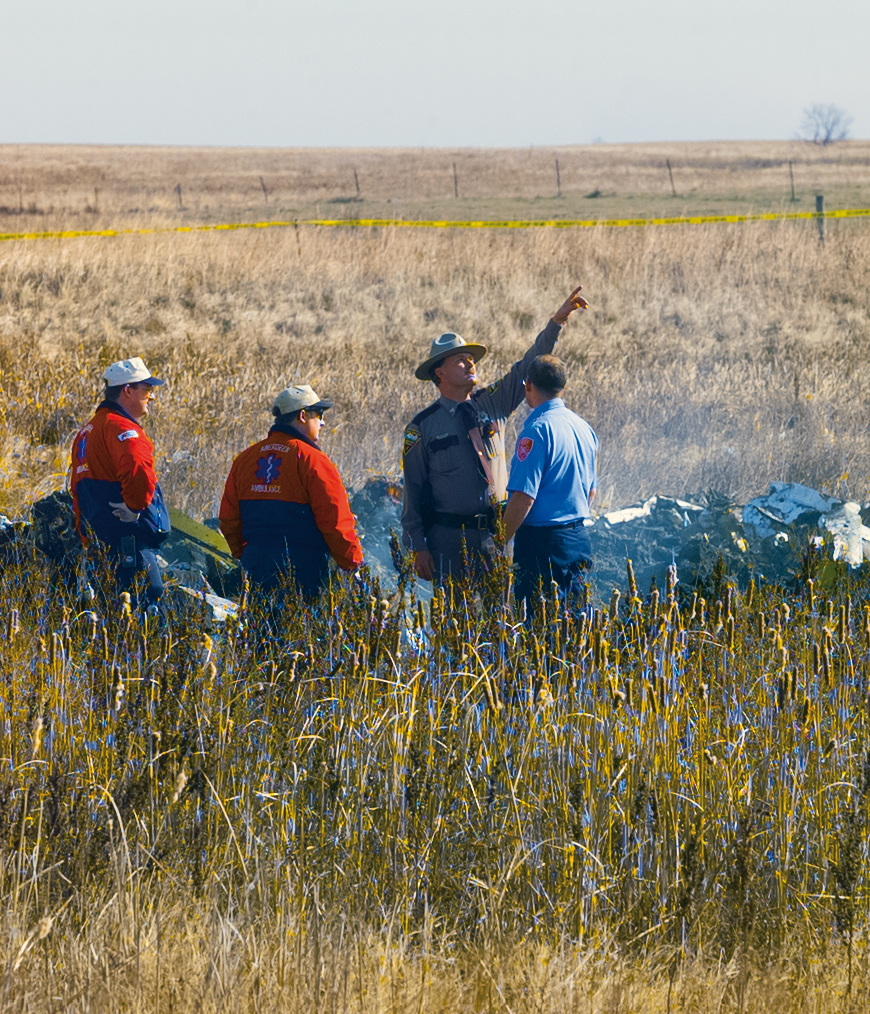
507	393
574	302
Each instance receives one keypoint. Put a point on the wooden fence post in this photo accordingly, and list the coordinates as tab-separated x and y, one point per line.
455	182
670	173
356	181
791	177
265	191
178	191
820	216
558	180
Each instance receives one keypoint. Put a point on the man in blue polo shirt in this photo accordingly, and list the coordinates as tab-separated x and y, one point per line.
552	482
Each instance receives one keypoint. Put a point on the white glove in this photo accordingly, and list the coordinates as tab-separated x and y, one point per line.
123	513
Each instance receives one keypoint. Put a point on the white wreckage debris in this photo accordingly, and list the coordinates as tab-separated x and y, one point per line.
645	510
789	501
765	540
218	610
851	535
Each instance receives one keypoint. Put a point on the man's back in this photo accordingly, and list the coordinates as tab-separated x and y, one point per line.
113	460
283	489
552	481
555	463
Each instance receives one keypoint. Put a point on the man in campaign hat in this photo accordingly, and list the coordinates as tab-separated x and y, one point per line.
117	500
454	453
284	503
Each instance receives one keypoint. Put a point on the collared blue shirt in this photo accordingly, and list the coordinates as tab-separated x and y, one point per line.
555	464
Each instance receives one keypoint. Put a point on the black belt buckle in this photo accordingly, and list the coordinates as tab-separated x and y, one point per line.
482	522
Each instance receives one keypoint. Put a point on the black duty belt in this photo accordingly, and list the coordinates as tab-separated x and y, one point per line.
480	522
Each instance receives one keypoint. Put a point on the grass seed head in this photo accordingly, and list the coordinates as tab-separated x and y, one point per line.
36	738
180	785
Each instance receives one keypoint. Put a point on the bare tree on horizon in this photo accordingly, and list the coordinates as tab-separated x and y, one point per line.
824	124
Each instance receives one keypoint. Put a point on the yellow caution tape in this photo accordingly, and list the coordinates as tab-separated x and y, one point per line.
355	223
77	233
567	223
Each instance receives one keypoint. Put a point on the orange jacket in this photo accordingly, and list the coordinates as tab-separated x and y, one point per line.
284	490
113	460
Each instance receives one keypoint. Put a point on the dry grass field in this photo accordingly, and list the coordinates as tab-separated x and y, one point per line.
137	185
713	356
663	806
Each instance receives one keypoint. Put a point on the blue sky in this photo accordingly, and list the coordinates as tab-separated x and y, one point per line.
448	73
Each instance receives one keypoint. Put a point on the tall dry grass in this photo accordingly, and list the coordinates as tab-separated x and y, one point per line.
712	356
660	806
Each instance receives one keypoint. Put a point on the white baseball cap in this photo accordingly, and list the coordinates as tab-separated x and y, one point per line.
129	371
292	399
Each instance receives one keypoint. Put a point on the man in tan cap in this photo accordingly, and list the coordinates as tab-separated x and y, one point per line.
454	454
117	500
284	504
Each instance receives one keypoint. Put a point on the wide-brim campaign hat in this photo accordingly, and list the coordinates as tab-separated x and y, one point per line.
293	399
129	371
443	346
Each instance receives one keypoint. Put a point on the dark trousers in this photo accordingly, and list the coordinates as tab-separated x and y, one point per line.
543	555
266	567
127	569
448	546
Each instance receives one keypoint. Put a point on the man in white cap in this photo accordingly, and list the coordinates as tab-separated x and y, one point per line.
453	457
284	504
117	500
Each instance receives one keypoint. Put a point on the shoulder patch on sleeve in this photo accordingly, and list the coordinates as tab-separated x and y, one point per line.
493	387
128	435
524	447
413	435
420	416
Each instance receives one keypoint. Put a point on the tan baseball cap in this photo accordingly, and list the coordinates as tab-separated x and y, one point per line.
292	399
446	345
129	371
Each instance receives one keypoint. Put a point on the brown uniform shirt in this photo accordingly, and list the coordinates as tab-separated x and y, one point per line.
442	468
